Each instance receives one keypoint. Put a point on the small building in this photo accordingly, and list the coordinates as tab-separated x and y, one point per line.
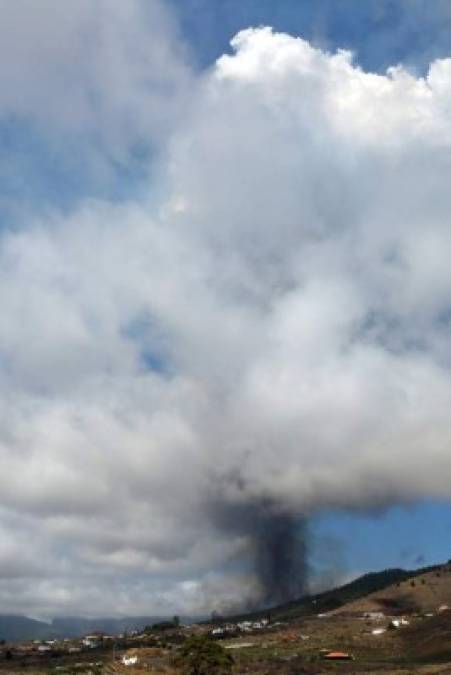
338	656
42	649
397	623
378	631
218	631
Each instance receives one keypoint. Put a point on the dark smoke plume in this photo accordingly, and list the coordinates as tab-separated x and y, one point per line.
280	557
278	547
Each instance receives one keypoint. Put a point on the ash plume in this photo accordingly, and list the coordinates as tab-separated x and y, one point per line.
277	548
280	557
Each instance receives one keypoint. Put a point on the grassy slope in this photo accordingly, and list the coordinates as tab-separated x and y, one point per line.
423	591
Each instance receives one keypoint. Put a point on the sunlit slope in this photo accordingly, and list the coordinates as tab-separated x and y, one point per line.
425	592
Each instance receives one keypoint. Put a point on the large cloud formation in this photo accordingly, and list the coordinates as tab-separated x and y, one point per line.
271	331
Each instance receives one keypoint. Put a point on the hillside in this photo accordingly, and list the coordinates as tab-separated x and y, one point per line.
423	591
430	640
16	627
335	598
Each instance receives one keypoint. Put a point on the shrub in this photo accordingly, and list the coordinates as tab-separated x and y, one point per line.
202	656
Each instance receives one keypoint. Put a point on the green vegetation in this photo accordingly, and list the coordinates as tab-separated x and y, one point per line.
203	656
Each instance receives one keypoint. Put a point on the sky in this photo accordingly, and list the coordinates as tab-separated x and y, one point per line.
224	235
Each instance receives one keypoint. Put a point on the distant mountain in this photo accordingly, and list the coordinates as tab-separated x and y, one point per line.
16	627
75	626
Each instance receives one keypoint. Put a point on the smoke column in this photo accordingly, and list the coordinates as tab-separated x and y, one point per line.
280	557
277	547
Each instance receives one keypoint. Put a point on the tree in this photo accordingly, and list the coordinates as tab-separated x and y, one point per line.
202	656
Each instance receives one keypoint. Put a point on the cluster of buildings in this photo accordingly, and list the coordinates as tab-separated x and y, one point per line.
33	651
229	629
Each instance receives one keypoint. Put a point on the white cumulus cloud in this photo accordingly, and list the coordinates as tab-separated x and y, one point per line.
276	331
